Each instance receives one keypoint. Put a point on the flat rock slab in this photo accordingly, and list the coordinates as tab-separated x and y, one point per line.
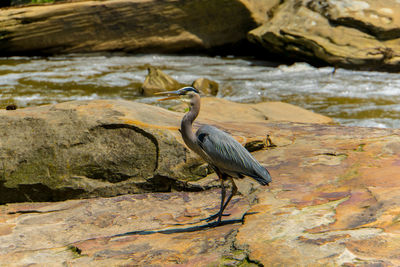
333	201
156	229
219	109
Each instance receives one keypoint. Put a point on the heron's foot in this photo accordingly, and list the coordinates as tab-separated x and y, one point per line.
213	217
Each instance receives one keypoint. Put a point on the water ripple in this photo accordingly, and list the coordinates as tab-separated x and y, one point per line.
350	97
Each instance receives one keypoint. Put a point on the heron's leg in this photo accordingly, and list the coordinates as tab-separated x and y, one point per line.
233	192
222	205
223	195
219	214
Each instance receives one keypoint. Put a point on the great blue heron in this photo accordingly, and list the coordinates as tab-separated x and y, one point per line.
220	150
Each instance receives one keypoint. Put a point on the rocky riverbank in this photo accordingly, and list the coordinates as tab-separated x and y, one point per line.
358	35
110	182
333	199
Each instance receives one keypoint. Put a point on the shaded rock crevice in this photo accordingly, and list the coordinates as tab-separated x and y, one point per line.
159	183
36	193
40	192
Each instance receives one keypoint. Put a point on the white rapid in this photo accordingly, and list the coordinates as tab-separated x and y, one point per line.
350	97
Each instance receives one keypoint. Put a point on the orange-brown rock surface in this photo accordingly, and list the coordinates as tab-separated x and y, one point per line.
159	229
333	201
224	110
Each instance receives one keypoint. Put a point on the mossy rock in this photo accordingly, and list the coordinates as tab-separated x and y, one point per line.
91	148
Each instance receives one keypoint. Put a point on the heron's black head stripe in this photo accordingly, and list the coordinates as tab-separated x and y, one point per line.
185	90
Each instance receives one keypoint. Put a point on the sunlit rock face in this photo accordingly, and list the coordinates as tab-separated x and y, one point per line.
206	86
333	200
157	81
354	34
127	26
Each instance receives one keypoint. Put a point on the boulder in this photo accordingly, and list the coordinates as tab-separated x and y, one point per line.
206	86
92	148
353	34
158	81
124	25
333	201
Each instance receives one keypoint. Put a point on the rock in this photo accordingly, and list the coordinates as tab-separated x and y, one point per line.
158	81
11	107
144	229
33	2
222	110
261	10
126	25
109	147
92	148
333	201
352	34
206	86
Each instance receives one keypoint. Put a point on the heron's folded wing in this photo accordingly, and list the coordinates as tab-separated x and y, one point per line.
229	155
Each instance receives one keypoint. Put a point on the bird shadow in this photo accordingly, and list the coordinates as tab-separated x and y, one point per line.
186	229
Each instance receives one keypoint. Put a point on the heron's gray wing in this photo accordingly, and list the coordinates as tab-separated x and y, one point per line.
229	156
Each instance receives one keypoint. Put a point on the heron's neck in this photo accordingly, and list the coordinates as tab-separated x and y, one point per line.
187	121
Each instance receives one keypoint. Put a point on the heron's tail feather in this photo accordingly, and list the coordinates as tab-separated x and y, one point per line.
262	176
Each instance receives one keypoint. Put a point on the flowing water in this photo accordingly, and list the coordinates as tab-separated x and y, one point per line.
350	97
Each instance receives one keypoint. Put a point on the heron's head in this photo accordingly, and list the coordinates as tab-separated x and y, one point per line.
186	94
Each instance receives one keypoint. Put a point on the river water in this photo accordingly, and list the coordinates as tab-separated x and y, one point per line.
355	98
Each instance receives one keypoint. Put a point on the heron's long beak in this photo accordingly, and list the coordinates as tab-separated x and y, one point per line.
171	95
